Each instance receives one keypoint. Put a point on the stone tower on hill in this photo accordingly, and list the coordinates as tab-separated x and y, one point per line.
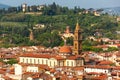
31	36
77	47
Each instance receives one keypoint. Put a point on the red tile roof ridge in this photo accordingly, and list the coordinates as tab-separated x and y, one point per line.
105	62
36	55
116	68
2	71
98	66
7	78
94	73
74	57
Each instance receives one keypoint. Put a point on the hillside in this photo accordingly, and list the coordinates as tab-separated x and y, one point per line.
16	27
113	10
3	6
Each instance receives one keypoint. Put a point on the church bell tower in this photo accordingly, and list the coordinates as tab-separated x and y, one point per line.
77	50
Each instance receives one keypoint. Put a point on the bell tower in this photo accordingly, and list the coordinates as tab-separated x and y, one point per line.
77	40
31	36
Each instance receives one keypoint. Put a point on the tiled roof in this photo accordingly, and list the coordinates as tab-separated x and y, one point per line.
74	57
36	55
1	63
2	71
93	73
9	56
118	54
105	62
116	68
118	45
52	70
58	57
98	66
115	73
28	73
42	76
65	49
7	78
46	67
100	76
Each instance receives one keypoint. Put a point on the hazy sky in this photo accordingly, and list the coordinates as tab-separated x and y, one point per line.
69	3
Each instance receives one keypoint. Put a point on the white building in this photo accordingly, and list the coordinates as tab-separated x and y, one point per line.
97	69
51	61
24	7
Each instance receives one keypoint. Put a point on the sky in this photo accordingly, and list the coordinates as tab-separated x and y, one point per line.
69	3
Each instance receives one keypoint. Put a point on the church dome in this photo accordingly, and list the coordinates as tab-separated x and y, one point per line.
65	49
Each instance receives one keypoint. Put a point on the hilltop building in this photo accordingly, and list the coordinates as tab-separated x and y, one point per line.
96	13
118	19
31	9
24	7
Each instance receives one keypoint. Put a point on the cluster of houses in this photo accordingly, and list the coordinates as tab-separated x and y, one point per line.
32	9
59	63
39	63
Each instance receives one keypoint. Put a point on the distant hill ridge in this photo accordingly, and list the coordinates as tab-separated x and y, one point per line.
3	6
112	10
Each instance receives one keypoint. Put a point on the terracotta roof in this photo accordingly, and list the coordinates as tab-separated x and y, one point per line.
43	66
118	54
2	71
115	73
7	78
74	57
93	73
43	76
105	62
65	49
1	63
36	55
9	56
118	45
98	66
58	57
116	68
100	76
52	70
